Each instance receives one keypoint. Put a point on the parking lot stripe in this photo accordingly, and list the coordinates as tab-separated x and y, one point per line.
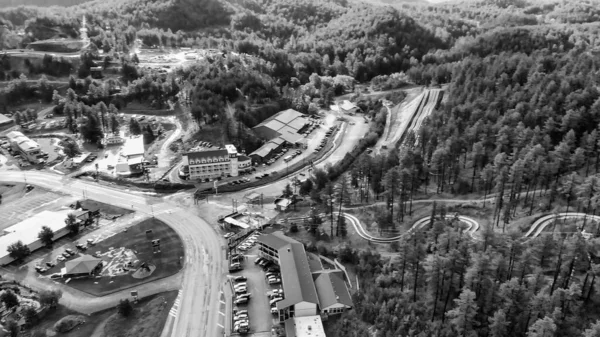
221	313
222	327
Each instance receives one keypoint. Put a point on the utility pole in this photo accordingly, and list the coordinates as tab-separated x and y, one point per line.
261	201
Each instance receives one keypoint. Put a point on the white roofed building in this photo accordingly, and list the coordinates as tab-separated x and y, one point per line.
29	149
27	232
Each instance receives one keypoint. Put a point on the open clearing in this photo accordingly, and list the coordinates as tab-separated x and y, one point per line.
131	246
147	320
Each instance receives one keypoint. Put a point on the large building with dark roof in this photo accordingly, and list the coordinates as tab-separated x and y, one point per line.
304	285
285	127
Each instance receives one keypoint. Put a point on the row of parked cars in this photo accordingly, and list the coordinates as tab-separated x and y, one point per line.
324	140
68	253
248	243
311	128
241	320
239	181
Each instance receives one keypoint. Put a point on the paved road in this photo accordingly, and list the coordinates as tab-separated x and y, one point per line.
204	266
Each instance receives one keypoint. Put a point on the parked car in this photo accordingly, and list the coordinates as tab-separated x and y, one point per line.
239	278
241	300
70	251
240	285
90	242
61	258
275	300
81	246
50	264
66	255
40	269
228	235
275	281
236	311
241	290
258	260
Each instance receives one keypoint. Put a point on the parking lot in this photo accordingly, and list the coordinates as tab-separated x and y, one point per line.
260	318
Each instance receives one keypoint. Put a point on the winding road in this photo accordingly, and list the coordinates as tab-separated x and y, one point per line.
204	265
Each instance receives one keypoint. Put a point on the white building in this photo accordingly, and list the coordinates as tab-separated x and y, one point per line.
131	157
29	149
346	107
27	232
310	326
213	163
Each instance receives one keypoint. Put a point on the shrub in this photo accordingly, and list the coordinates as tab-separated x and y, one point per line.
68	323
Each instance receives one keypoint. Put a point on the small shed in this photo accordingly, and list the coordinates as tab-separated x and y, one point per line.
282	204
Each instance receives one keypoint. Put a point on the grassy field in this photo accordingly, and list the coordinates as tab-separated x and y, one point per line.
104	208
147	320
167	261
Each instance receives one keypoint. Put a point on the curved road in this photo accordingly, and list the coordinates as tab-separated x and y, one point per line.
204	265
540	224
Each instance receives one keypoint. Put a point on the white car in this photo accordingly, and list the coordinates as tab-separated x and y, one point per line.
228	235
241	290
61	258
240	285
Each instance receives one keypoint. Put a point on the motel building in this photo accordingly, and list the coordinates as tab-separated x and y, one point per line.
208	164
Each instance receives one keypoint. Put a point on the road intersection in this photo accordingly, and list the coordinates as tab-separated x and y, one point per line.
204	264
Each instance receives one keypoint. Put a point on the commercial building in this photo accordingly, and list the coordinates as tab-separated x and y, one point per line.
28	149
310	326
284	127
27	232
209	163
85	265
305	284
130	159
5	120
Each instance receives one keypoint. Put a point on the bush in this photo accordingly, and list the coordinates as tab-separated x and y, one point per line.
124	308
68	323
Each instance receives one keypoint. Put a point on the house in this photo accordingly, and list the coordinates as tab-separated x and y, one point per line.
282	204
85	265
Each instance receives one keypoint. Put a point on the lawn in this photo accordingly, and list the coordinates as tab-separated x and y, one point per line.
133	245
93	205
147	320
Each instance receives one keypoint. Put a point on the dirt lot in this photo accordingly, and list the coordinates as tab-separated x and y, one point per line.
131	246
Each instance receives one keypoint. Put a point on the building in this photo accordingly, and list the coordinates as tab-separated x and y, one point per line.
28	149
130	159
283	128
4	120
310	326
113	140
346	107
27	231
334	297
85	265
209	163
308	289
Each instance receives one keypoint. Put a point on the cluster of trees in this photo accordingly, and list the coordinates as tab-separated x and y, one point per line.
10	300
442	283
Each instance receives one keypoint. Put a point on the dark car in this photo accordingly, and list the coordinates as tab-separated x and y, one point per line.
50	264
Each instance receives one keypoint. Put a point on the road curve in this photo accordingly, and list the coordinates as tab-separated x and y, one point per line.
204	266
538	226
363	233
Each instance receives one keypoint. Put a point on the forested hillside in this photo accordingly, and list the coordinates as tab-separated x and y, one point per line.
442	283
